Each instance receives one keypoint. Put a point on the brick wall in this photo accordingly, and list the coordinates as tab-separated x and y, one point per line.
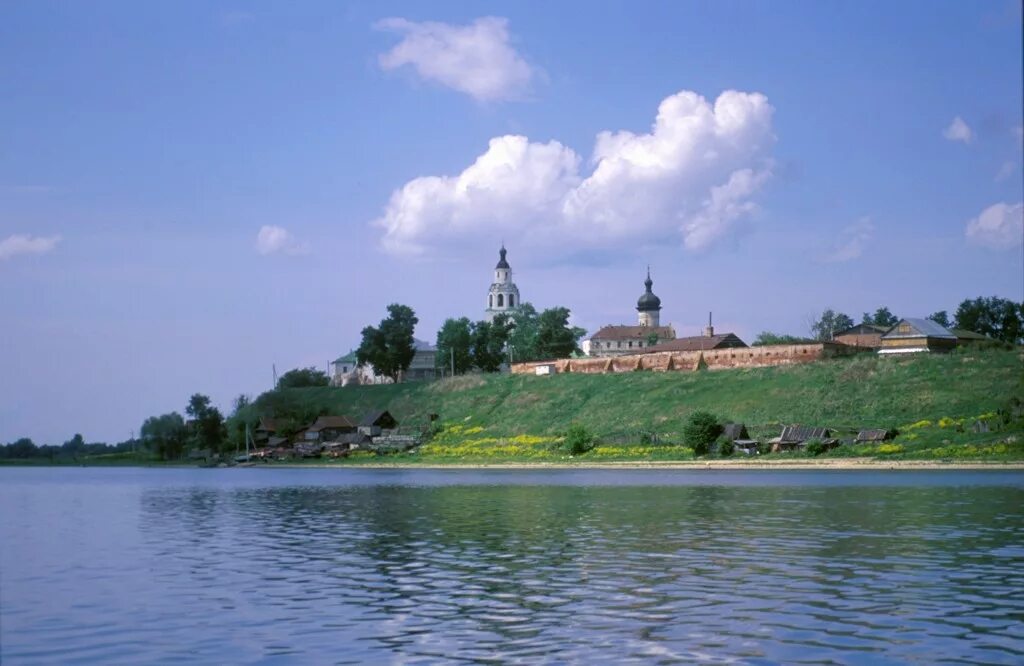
715	359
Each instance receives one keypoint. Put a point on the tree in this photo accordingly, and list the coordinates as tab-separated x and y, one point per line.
882	317
999	318
489	341
555	338
829	323
74	446
700	431
22	448
302	378
455	345
389	348
941	318
522	339
768	338
164	435
207	427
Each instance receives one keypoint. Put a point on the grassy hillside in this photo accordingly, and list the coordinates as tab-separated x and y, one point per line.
522	414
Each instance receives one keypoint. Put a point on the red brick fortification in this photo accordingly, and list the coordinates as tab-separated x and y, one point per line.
717	359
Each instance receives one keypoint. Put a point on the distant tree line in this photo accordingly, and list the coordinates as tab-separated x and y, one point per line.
73	449
998	318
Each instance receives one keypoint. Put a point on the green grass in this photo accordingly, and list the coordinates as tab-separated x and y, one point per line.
520	418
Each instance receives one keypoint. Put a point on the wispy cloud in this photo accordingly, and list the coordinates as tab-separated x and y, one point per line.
273	240
958	130
999	227
17	244
1006	170
476	59
852	241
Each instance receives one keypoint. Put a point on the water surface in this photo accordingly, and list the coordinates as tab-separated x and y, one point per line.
356	566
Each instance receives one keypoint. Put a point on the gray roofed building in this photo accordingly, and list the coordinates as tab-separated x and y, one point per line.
917	335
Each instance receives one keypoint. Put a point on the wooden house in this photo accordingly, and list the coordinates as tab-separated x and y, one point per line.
861	335
329	428
796	437
374	423
917	335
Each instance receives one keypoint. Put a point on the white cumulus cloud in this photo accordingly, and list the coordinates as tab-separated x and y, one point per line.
24	244
694	174
272	239
852	241
1000	226
476	59
958	130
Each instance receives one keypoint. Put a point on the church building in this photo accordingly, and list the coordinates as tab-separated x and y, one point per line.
503	296
617	340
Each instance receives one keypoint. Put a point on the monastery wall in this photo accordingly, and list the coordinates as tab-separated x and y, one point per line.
715	359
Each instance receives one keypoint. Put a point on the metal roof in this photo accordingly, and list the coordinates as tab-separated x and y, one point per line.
633	332
698	343
923	327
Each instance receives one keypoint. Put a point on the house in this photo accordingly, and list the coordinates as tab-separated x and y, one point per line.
917	335
424	363
796	437
265	430
710	340
877	435
374	423
329	428
738	435
618	340
861	335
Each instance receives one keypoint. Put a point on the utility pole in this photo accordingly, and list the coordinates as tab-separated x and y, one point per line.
274	366
453	361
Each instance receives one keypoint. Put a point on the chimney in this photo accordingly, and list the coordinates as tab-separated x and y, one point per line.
710	330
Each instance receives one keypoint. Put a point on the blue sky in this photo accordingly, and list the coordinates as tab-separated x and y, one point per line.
191	192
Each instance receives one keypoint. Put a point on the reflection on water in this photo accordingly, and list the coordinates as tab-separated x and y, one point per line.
174	565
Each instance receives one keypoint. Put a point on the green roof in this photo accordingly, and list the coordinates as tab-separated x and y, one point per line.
347	358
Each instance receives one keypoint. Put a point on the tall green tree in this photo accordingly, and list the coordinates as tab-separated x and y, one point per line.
829	323
490	339
522	339
941	318
555	338
881	317
302	378
455	345
207	427
999	318
165	435
389	348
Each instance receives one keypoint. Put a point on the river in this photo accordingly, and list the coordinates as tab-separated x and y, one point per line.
278	566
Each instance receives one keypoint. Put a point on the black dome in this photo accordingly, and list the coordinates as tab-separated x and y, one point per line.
648	301
501	262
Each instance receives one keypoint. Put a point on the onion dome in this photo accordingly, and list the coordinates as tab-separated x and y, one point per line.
501	262
648	301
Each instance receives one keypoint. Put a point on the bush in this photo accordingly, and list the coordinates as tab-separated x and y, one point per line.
578	439
700	431
725	447
816	447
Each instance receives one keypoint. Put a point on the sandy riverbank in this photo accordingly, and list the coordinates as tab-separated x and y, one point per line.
834	464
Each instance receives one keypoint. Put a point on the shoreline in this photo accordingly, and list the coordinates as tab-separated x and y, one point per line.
839	465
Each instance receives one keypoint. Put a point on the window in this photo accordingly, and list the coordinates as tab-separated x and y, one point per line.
511	300
501	300
630	344
490	301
